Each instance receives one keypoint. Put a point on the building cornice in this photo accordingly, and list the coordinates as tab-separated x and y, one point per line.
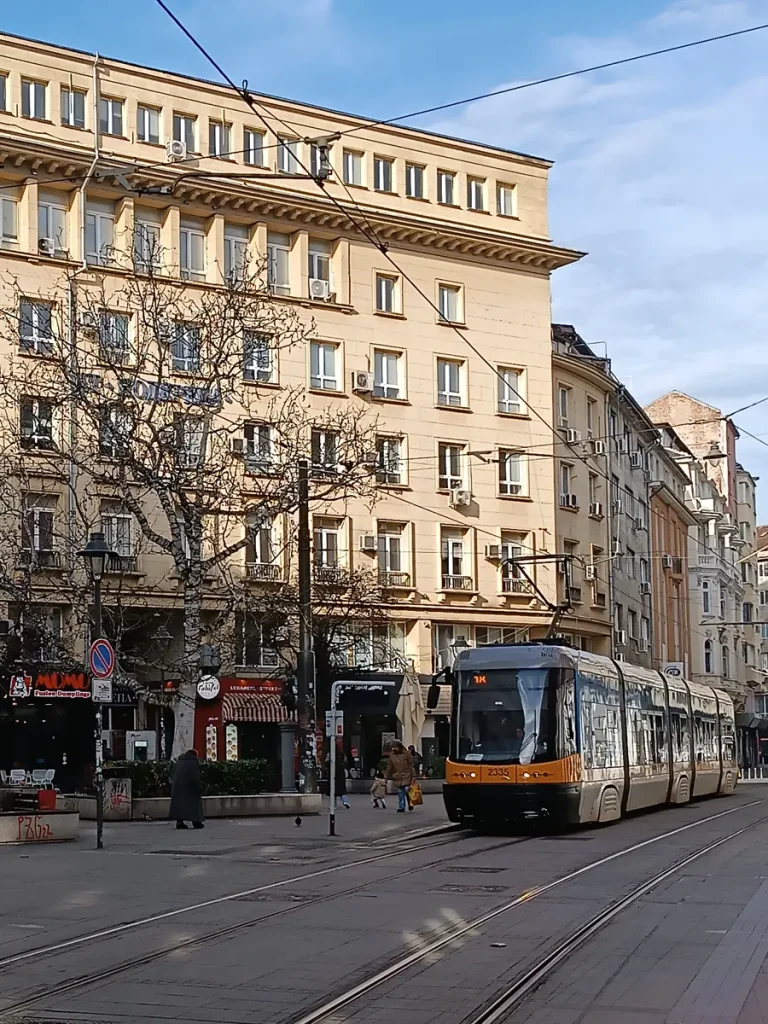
659	489
582	368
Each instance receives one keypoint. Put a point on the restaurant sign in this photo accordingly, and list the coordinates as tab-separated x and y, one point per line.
62	684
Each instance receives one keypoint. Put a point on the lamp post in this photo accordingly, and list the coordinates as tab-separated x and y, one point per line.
161	638
95	554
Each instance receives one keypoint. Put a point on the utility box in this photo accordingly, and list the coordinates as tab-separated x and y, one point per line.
141	746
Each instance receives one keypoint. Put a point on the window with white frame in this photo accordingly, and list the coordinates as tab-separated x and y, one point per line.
506	200
319	262
324	366
260	545
38	526
235	252
253	147
562	405
258	447
762	569
645	632
192	249
387	293
761	704
278	262
446	188
592	424
258	357
449	304
185	348
147	251
592	482
326	543
723	601
3	92
325	452
725	656
287	155
513	546
352	167
190	434
451	389
9	230
383	174
148	124
73	107
414	181
219	139
476	193
566	486
511	473
256	643
99	231
509	383
185	130
455	563
110	116
37	423
389	461
706	597
392	554
114	341
34	97
387	374
115	429
388	645
450	466
36	327
632	624
444	637
117	525
644	571
52	223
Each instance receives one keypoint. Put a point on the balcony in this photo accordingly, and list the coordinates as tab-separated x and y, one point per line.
512	585
117	564
388	578
267	572
707	559
40	559
328	575
458	583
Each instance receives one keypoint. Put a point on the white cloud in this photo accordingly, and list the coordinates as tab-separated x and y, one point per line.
660	175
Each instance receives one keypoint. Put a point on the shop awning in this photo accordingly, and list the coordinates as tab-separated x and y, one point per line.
255	707
443	704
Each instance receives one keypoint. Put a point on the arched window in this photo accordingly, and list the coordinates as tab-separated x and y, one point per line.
706	598
708	656
726	670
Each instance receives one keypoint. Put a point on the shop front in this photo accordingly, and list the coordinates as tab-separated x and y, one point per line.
370	721
436	731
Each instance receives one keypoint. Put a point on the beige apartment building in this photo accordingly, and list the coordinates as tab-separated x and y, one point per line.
106	164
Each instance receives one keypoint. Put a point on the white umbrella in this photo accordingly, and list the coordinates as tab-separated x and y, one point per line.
411	710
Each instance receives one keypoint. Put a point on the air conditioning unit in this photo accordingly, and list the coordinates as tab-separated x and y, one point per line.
175	151
572	436
319	289
590	572
362	382
88	321
596	509
621	638
645	587
636	460
493	552
666	561
618	507
369	542
460	497
573	501
562	423
237	445
47	246
598	447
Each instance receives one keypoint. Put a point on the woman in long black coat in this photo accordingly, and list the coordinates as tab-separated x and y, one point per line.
187	791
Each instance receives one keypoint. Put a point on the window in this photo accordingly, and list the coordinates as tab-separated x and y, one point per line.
235	252
506	200
508	390
278	253
253	147
706	597
645	632
52	223
37	423
36	327
255	643
723	601
632	624
73	108
593	493
185	350
326	547
761	704
258	357
192	249
191	431
353	167
184	130
708	657
392	559
33	99
446	188
148	124
764	630
450	471
325	452
513	546
562	406
113	336
115	428
414	181
147	253
449	303
382	174
258	447
630	499
725	656
323	371
219	139
3	92
476	193
9	237
389	461
613	423
388	646
386	374
259	548
319	261
110	116
510	473
567	498
591	417
450	384
117	526
454	560
99	231
37	524
762	569
387	294
644	571
746	612
287	155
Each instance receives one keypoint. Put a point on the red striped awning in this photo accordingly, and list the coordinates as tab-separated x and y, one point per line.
255	707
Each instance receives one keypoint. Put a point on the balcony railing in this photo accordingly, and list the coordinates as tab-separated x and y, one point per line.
270	572
328	574
121	563
390	578
45	559
515	585
458	583
706	559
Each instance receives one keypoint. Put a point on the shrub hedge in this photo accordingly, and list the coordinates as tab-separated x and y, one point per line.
219	778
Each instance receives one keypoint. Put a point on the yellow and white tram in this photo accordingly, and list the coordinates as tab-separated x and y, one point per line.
550	732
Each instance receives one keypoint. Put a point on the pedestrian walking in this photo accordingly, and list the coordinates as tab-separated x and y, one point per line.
340	776
379	790
187	791
400	770
416	759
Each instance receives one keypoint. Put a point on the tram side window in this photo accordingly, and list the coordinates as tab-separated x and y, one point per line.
660	754
566	729
681	737
600	735
706	739
640	745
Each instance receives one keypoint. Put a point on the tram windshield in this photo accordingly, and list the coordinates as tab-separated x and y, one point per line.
503	715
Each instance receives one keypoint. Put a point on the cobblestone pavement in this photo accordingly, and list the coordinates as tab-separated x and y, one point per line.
333	916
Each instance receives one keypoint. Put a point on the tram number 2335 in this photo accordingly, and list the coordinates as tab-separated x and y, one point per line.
499	773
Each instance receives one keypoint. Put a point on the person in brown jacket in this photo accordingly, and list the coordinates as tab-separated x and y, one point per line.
400	770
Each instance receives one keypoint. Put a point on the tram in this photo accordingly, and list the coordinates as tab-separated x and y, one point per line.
545	731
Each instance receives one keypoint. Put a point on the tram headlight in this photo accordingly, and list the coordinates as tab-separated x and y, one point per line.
526	775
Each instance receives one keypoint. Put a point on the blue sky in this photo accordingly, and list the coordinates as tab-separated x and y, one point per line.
660	169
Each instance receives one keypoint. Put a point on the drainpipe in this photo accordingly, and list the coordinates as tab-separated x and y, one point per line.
609	464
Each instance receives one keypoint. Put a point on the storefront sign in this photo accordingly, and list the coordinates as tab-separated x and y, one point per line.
208	688
152	391
21	686
62	684
673	668
101	691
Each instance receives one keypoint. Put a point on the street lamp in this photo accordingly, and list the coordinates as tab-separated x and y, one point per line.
95	555
162	640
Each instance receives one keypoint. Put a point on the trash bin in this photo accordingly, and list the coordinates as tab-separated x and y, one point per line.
46	799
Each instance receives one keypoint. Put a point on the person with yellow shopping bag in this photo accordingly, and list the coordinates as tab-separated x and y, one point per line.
400	770
415	798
